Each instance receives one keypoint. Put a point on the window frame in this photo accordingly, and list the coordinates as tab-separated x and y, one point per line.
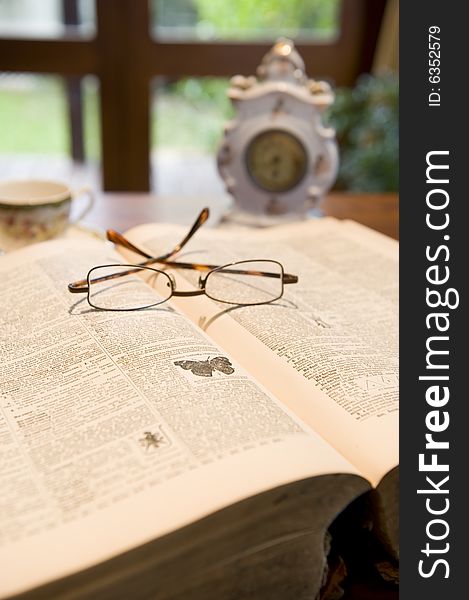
125	58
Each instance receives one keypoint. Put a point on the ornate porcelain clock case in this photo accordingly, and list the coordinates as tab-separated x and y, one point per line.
277	158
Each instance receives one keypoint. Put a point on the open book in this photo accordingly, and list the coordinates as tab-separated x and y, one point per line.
127	472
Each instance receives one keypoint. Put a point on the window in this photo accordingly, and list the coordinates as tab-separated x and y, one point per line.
245	20
194	38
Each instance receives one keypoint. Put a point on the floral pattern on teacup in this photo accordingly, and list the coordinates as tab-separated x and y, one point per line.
33	224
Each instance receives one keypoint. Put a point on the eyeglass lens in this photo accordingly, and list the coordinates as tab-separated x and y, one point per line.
254	287
127	292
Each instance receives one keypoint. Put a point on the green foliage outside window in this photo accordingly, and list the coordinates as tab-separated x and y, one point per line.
245	19
366	119
292	15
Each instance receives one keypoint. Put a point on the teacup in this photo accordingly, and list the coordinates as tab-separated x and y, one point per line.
36	210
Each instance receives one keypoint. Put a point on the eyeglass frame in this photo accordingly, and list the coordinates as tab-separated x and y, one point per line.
83	285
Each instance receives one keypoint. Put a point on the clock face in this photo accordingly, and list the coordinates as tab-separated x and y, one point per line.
276	160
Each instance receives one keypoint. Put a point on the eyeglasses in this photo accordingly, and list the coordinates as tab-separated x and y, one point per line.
117	287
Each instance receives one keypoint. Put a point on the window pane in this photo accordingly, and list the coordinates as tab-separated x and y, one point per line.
187	124
28	18
34	115
244	19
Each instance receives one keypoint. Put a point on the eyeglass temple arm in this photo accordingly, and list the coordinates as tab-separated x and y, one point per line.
80	287
117	238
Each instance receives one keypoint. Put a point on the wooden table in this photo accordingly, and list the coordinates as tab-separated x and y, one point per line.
378	211
122	211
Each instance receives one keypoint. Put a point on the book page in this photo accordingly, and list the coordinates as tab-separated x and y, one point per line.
107	440
334	334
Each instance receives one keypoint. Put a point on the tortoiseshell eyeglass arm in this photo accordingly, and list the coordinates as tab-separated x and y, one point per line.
116	238
201	219
78	287
120	240
81	286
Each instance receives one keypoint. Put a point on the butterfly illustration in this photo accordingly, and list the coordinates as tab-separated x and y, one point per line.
205	368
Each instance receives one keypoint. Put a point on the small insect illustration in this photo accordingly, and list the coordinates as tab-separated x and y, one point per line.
151	440
205	368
